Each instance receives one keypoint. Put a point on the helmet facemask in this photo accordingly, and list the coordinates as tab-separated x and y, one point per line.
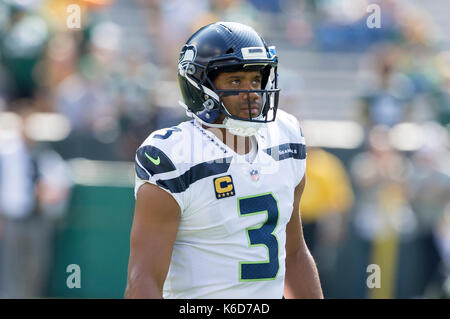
269	94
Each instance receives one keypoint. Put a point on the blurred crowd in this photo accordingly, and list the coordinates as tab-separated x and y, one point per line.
97	91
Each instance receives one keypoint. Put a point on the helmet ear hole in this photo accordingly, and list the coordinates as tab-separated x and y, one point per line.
209	104
229	51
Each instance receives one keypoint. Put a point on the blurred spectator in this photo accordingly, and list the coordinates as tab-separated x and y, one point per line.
429	190
327	199
176	19
386	96
238	11
34	189
382	211
442	236
398	201
271	6
342	25
22	43
439	95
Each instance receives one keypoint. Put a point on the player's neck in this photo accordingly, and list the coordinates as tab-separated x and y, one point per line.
239	144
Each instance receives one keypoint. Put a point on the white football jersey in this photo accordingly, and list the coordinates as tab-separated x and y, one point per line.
232	233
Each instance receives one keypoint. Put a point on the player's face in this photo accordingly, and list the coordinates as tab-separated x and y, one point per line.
238	105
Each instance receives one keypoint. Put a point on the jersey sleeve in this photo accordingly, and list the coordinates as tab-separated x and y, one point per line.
153	165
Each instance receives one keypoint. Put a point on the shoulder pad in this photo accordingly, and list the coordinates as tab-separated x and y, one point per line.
153	160
289	121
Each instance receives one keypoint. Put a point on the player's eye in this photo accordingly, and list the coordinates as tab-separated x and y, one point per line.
235	81
256	83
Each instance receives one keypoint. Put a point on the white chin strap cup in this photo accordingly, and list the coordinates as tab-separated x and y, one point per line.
236	127
241	128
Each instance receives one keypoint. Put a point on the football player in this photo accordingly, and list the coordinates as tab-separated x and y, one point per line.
217	197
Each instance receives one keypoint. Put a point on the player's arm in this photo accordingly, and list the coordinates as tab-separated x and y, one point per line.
153	233
302	278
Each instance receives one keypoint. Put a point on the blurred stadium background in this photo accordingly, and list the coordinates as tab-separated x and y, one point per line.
374	105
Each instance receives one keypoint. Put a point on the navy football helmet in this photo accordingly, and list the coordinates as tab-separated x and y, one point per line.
226	47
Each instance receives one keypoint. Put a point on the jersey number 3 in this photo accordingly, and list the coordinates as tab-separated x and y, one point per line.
262	235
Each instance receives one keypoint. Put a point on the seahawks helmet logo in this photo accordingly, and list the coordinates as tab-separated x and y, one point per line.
187	55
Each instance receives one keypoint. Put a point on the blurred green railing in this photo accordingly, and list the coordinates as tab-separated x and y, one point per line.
95	232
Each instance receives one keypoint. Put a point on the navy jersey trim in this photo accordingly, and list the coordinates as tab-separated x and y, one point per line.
287	150
195	173
142	174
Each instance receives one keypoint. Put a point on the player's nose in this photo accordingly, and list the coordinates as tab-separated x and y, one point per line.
250	94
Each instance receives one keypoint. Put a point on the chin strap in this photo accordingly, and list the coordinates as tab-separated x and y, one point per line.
241	128
235	127
209	116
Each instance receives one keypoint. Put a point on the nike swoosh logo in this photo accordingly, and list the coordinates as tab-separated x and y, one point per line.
155	161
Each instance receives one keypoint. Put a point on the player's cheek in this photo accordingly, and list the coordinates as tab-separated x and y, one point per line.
231	104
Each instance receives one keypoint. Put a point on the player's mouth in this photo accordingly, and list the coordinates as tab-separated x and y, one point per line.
254	111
